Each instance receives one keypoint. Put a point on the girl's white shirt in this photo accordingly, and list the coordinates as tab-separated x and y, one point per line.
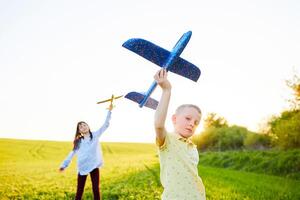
89	153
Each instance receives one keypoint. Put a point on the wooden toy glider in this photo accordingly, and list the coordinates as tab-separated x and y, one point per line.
110	100
165	59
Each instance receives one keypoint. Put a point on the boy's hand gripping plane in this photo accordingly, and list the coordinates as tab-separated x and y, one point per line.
165	59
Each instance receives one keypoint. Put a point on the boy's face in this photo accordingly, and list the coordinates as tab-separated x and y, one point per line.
186	121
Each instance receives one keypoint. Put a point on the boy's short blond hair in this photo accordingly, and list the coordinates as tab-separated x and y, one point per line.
179	108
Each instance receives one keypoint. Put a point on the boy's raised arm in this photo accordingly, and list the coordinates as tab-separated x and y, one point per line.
162	108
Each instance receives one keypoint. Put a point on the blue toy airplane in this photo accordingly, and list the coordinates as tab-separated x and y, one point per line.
165	59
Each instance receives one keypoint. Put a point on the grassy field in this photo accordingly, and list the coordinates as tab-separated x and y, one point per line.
29	170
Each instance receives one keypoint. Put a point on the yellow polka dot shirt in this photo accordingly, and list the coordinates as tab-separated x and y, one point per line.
178	169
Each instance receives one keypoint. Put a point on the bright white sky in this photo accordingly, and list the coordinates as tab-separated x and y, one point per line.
58	58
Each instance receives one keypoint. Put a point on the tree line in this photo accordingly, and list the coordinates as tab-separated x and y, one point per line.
281	132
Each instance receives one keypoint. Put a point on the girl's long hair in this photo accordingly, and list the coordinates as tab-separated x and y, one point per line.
79	136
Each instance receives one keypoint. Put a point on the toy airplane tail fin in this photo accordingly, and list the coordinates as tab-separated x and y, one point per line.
138	98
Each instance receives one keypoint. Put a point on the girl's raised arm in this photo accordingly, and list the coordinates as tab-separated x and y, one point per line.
99	132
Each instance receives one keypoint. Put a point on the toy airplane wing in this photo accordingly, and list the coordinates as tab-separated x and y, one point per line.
111	99
148	50
185	69
159	56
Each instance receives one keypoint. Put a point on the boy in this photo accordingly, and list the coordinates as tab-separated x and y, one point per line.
178	155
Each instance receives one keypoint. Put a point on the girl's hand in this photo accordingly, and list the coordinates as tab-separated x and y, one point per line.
61	169
111	106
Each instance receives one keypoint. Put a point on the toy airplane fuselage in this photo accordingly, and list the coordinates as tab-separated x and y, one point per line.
171	61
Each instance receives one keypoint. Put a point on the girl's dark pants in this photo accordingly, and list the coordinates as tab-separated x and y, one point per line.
95	183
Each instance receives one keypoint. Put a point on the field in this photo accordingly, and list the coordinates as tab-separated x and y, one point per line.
29	170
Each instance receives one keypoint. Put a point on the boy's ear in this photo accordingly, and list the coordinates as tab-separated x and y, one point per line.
174	118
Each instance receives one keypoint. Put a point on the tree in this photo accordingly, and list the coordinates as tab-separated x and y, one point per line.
221	138
286	127
294	84
257	141
213	120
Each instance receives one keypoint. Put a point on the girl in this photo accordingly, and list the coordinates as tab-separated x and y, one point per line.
89	156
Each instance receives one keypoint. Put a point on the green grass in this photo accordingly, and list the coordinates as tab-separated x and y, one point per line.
231	184
29	170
